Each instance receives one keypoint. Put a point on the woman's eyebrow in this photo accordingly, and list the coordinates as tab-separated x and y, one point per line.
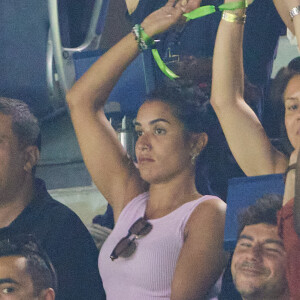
7	280
291	99
159	120
153	122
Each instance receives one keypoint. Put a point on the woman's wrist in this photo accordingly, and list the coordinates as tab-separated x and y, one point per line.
147	28
238	12
143	40
232	17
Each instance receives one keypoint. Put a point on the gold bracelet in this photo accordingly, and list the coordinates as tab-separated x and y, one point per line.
232	18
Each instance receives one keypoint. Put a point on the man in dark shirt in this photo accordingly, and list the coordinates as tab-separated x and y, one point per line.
26	207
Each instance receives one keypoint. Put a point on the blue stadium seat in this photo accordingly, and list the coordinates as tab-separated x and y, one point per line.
242	192
130	91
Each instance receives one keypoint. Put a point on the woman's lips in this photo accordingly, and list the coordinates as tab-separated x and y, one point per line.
145	159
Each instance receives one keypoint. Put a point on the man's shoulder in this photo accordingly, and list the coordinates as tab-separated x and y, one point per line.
52	218
46	206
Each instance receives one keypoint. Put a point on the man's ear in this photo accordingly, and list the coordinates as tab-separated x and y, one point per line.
47	294
32	155
198	142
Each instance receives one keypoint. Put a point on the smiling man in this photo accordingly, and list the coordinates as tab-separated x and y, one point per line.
259	261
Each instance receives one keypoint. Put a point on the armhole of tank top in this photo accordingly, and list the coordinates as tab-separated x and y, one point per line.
132	203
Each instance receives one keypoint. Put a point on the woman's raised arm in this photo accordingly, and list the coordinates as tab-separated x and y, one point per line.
244	132
284	7
112	171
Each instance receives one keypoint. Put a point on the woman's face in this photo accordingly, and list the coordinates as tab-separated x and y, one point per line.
162	150
292	111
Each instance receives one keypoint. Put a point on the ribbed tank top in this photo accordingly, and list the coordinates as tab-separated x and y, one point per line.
148	273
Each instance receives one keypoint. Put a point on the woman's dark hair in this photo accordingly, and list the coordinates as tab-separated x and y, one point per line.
188	104
278	87
294	64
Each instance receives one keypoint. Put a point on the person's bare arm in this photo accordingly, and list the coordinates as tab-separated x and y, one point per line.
283	11
132	5
202	258
112	171
295	26
190	5
244	133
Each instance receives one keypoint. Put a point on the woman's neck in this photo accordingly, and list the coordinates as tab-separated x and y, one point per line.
168	196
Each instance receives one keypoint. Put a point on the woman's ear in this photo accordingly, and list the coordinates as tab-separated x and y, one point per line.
198	142
47	294
32	155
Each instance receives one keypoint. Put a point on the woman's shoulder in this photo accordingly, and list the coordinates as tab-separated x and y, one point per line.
210	209
212	202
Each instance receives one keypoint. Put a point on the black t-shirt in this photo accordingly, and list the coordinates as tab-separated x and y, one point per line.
66	241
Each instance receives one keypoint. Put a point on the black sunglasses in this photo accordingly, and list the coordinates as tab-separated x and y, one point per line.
127	246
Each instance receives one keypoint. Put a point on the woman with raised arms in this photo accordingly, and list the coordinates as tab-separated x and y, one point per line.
167	241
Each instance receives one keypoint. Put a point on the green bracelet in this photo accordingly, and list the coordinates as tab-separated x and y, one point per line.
210	9
145	42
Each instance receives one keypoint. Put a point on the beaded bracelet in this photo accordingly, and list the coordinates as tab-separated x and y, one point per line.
144	41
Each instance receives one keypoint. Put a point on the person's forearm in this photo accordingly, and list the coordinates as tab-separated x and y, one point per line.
94	87
295	4
284	14
228	75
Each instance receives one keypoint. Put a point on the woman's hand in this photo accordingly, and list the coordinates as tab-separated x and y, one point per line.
192	4
165	17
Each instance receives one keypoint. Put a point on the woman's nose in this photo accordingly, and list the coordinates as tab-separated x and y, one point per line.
143	142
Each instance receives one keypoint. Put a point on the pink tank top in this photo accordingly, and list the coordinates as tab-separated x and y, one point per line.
148	273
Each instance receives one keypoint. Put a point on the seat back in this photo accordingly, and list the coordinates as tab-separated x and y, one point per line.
242	192
23	47
133	86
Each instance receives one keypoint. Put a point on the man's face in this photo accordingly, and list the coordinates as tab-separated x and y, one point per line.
15	282
12	159
259	263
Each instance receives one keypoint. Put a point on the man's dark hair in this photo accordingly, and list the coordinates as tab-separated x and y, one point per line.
263	211
24	124
38	264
